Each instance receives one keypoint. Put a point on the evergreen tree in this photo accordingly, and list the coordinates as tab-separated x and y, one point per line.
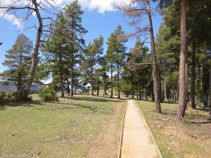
119	54
18	61
103	74
73	16
54	50
91	59
116	56
110	59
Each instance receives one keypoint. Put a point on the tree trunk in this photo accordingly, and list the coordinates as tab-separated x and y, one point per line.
165	93
193	105
153	97
146	97
61	73
154	66
175	96
132	91
98	88
139	91
186	94
68	86
105	90
92	80
111	81
118	85
160	87
72	61
34	55
201	88
210	91
182	85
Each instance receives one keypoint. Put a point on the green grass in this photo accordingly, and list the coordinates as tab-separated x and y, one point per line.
53	129
178	140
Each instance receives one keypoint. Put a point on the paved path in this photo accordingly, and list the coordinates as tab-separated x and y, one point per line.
137	139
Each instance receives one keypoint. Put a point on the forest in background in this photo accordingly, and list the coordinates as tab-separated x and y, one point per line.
177	67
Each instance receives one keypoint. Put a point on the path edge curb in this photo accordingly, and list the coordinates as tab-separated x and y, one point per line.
121	133
140	112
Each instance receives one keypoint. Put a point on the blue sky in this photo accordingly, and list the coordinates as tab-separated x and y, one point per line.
99	18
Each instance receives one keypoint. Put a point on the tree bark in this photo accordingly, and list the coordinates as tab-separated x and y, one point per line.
61	73
146	97
165	93
111	81
72	62
35	54
201	88
105	90
154	66
72	78
186	94
118	86
92	80
193	76
139	91
210	91
98	88
68	86
160	87
182	85
132	91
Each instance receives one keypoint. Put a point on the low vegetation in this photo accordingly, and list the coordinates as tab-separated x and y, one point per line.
192	138
48	94
65	128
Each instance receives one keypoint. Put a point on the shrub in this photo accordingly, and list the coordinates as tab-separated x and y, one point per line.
9	96
3	96
48	94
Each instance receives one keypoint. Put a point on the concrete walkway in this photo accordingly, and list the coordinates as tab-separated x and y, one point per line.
137	139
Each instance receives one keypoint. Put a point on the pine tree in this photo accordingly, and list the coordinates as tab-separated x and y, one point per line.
91	59
75	31
110	59
18	61
54	50
103	73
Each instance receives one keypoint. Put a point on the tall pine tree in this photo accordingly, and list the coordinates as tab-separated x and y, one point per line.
18	61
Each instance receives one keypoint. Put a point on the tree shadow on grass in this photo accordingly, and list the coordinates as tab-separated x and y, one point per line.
95	99
25	104
203	109
201	122
92	108
168	112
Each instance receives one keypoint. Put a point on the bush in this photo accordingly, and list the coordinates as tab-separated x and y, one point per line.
2	96
48	94
9	96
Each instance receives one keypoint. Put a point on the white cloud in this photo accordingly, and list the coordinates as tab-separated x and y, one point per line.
106	5
100	5
13	19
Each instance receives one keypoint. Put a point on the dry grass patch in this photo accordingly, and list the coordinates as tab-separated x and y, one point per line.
192	138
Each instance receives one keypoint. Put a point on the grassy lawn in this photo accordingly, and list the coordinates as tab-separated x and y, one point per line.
54	129
190	139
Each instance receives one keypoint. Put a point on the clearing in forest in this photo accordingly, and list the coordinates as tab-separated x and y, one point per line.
69	128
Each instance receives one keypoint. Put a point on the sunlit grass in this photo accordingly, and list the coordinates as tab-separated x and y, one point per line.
53	129
177	139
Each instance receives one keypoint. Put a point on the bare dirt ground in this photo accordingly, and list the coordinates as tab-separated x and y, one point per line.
107	143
